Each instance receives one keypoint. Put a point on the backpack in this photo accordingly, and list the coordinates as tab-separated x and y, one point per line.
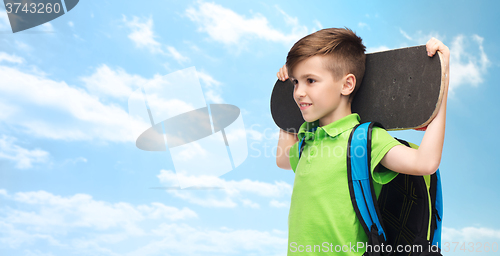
406	217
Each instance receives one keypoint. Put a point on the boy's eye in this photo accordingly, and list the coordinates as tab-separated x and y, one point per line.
295	82
310	80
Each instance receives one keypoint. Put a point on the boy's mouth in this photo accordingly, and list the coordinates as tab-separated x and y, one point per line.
303	105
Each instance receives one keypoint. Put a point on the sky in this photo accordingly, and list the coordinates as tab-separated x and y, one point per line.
73	182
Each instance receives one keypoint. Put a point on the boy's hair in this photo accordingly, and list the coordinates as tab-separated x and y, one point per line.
344	48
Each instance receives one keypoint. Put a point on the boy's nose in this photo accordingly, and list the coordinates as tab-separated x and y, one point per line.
299	92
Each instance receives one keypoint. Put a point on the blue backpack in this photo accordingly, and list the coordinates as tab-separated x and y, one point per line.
406	217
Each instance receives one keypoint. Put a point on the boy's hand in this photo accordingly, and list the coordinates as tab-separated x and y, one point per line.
282	74
434	45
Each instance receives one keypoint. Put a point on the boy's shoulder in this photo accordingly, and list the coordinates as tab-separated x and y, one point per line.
382	141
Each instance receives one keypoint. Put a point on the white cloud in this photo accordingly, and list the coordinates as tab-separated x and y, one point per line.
420	37
203	200
47	26
266	134
249	203
470	234
405	34
278	204
318	24
255	135
36	253
467	66
74	161
181	238
177	56
81	224
190	152
209	81
221	192
143	36
167	106
53	109
113	83
78	114
10	58
293	21
71	24
213	97
212	87
14	238
23	47
24	158
363	25
230	28
49	215
236	134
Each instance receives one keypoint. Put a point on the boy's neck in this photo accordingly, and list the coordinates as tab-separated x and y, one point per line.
342	111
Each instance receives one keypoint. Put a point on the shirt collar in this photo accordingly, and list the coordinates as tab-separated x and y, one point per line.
312	130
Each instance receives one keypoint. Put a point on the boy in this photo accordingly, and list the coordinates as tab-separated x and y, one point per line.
326	68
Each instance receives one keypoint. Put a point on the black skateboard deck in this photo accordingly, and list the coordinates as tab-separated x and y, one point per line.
401	89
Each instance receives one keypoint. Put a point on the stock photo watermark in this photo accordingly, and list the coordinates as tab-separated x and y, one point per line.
204	140
322	146
26	14
472	247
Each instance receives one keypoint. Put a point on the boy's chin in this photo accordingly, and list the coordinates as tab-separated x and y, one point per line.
308	119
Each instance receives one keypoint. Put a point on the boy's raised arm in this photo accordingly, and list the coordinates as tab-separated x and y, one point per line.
427	158
285	142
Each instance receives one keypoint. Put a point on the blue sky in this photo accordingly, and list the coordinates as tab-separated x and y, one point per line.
72	181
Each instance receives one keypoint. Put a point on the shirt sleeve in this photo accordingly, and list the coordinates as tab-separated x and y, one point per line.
382	142
294	156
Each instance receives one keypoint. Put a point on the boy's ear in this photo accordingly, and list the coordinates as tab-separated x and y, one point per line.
349	84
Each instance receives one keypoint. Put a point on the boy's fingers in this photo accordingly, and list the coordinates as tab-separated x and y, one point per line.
282	74
433	45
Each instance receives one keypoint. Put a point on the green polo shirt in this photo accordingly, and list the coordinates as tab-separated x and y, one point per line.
322	218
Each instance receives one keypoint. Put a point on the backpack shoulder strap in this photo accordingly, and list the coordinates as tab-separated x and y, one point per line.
437	204
360	182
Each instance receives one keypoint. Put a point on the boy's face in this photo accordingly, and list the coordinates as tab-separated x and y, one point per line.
316	92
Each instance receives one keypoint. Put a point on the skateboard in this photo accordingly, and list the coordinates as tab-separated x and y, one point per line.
401	89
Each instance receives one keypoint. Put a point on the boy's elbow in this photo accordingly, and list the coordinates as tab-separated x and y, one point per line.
430	171
278	162
429	168
282	164
283	158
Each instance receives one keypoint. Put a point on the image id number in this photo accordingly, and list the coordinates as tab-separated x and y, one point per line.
469	247
33	8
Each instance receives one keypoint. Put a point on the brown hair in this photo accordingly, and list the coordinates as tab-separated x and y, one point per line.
344	48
